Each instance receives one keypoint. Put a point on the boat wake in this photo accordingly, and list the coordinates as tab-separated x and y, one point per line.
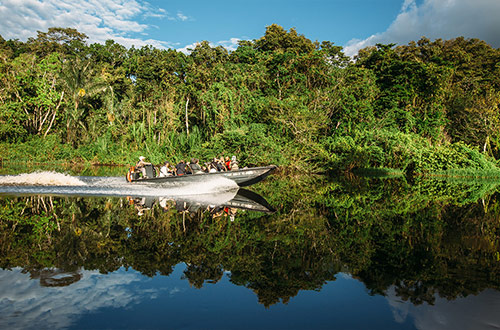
53	183
46	178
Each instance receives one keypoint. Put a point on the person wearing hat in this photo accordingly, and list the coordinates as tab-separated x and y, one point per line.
140	165
234	163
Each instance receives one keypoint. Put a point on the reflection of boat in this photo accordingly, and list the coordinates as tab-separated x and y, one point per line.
242	177
242	199
248	200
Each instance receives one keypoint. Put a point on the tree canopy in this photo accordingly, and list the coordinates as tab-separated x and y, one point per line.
281	99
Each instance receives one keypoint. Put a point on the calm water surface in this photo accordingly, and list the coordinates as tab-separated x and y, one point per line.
88	250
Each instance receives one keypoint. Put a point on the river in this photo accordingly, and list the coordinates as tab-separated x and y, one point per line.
82	249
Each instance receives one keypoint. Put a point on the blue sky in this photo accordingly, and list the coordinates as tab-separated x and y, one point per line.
353	24
337	21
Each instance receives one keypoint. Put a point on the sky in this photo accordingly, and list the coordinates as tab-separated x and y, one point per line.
352	24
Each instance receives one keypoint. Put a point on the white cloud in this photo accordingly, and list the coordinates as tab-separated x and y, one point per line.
445	19
229	45
182	17
188	48
100	20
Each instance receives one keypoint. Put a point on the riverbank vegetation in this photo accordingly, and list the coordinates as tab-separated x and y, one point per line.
425	107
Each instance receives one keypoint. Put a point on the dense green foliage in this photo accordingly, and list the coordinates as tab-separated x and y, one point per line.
423	239
280	99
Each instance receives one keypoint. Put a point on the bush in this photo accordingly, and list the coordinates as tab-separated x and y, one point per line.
253	145
39	149
405	151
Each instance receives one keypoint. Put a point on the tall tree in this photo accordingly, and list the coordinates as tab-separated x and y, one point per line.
79	81
63	40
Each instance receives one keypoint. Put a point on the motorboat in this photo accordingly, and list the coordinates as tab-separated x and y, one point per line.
242	177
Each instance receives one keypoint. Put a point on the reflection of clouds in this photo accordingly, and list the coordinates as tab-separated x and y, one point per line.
26	304
345	276
175	290
472	312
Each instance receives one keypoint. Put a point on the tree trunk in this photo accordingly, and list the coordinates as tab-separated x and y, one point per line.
54	116
187	123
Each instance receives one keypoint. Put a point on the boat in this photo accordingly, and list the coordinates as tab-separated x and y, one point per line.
242	177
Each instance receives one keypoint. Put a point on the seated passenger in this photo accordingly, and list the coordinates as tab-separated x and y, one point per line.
140	165
221	165
165	170
227	162
195	166
180	169
214	163
206	167
212	168
234	163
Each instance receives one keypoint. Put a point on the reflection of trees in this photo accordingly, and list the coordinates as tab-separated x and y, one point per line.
282	275
203	272
56	277
423	239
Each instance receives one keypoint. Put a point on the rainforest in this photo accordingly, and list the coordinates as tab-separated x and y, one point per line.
383	213
428	107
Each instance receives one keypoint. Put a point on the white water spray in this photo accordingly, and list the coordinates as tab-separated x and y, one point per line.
63	184
45	178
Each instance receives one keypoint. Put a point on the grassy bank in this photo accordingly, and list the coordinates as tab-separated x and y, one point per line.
387	151
368	152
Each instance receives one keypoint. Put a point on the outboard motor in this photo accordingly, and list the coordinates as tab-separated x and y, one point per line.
132	174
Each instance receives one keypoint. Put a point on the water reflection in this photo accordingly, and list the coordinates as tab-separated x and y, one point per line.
125	299
56	277
217	204
420	253
29	304
480	311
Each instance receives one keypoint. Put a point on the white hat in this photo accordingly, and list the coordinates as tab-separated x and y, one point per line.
233	158
142	157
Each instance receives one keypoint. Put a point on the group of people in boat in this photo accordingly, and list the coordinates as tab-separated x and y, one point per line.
193	167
